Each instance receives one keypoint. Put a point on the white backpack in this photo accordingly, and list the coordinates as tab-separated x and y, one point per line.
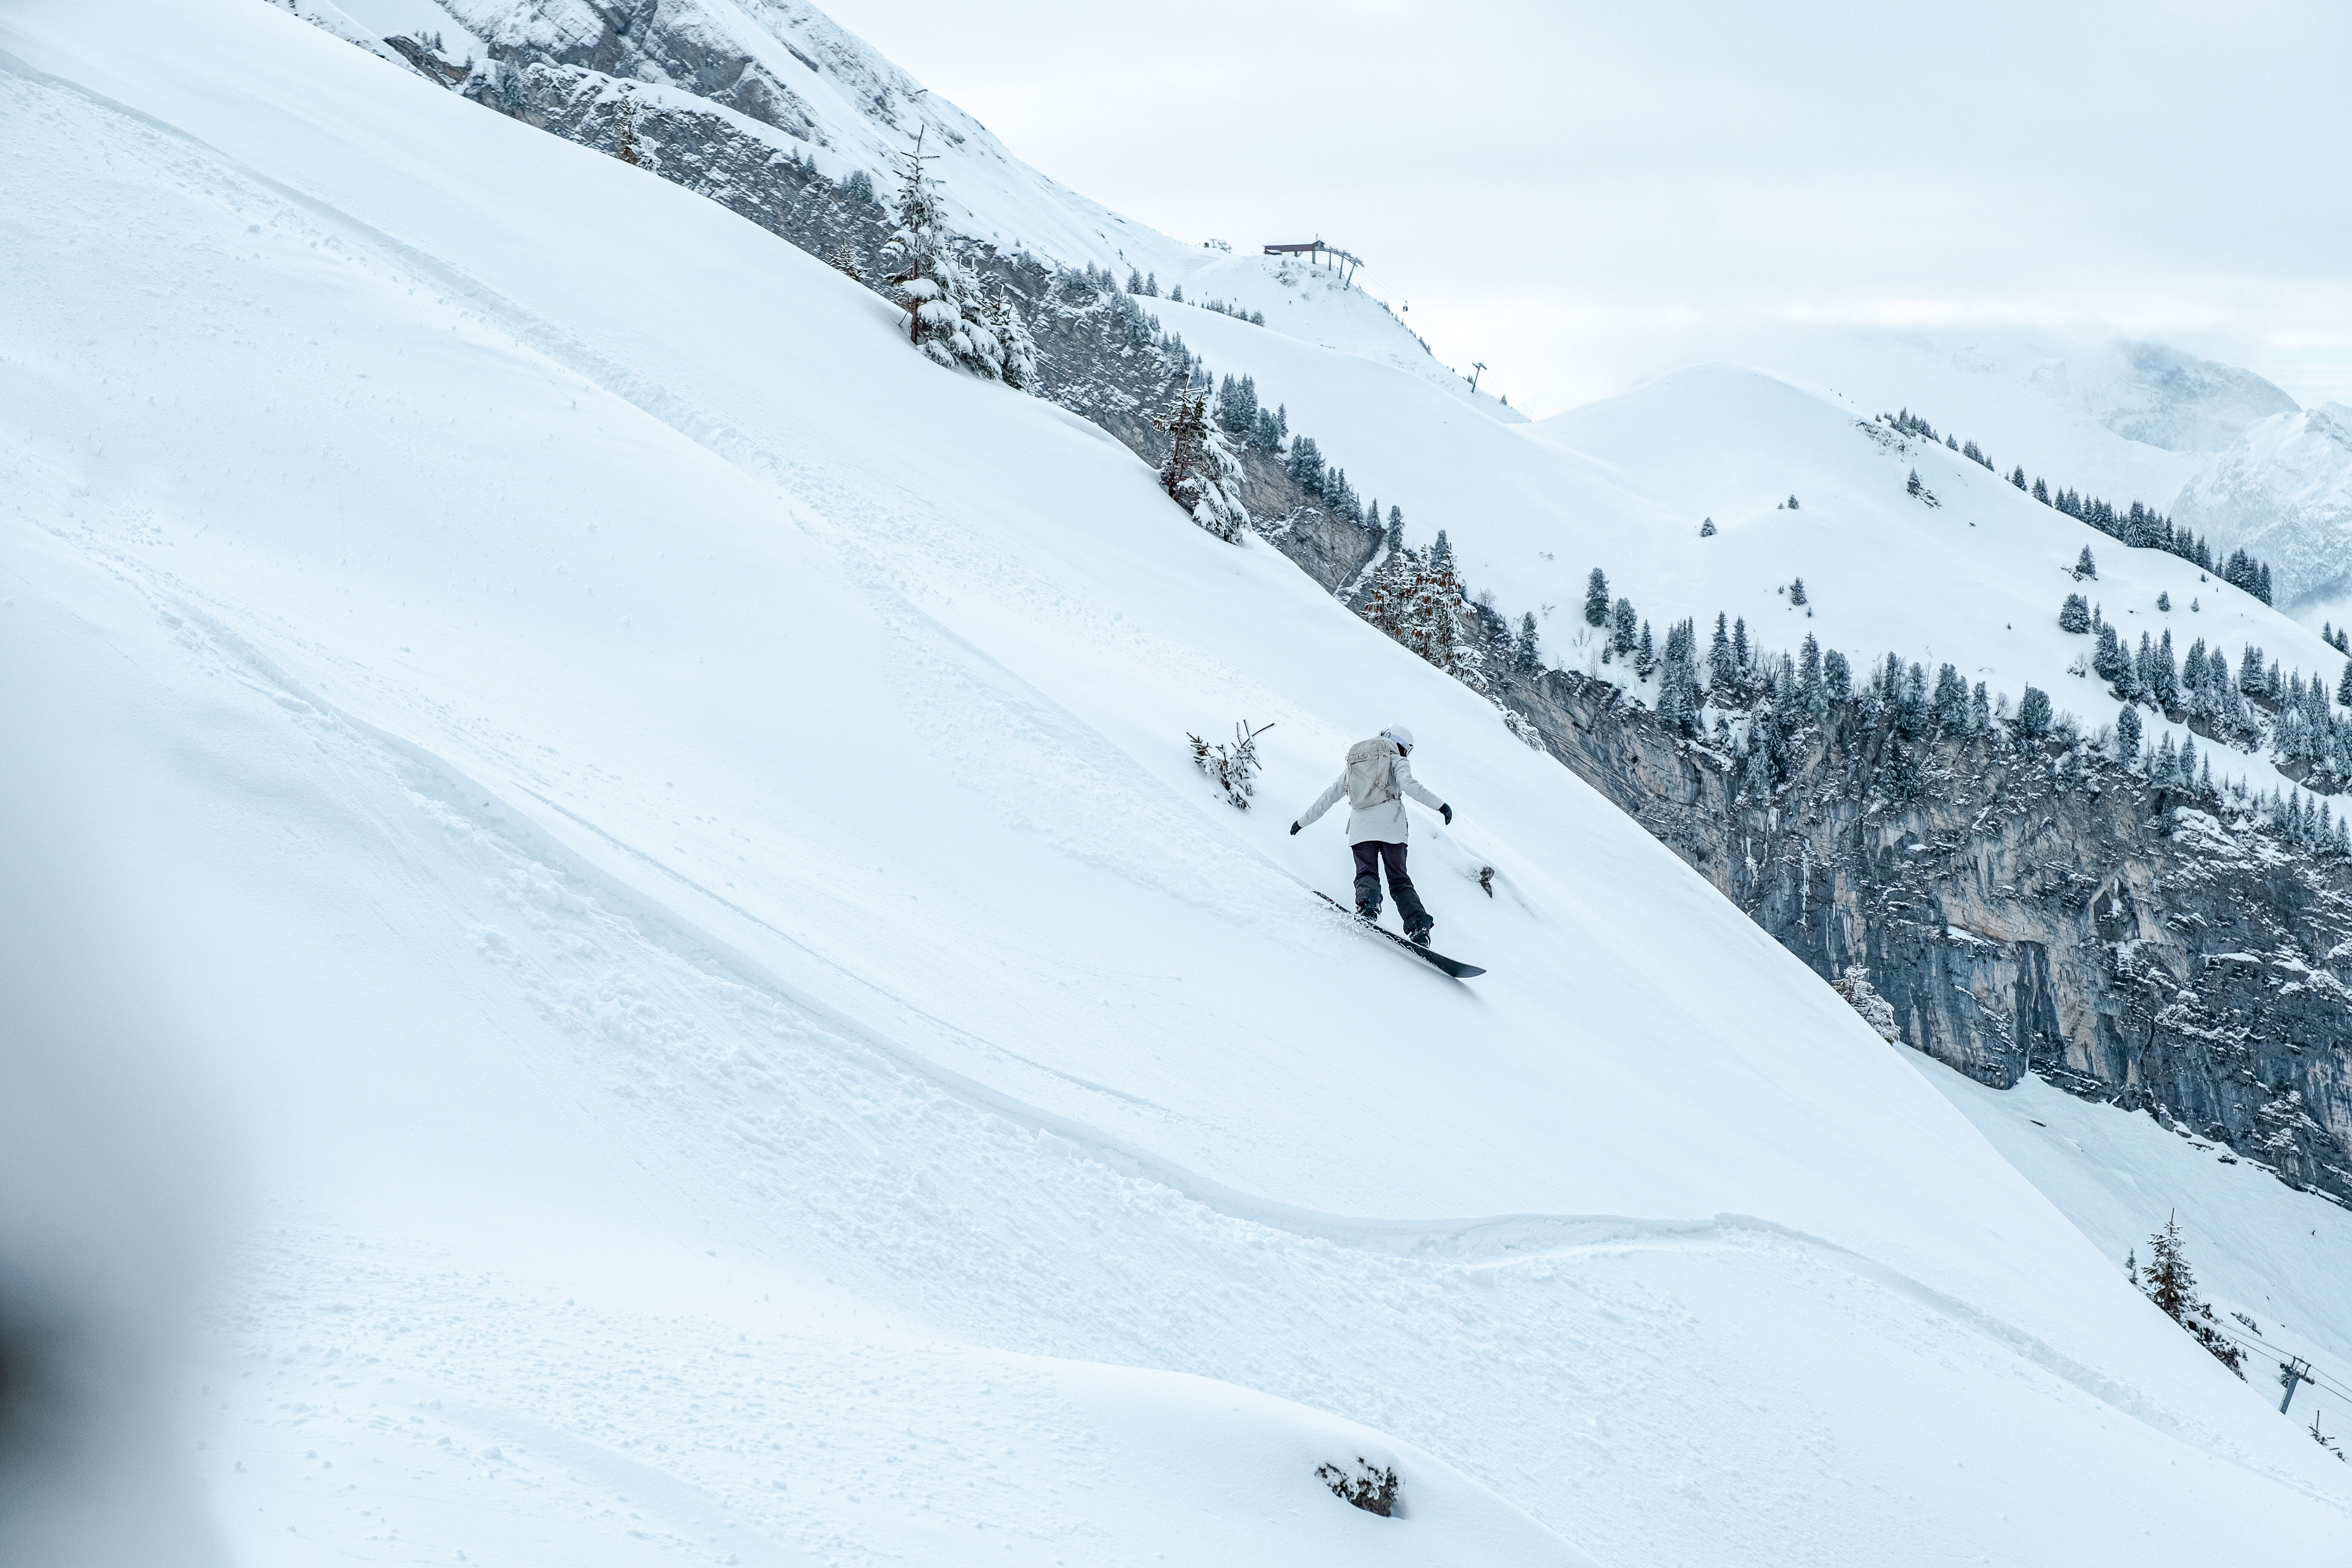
1369	766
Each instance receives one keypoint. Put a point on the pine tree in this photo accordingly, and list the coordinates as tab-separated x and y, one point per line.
2041	492
1722	672
1596	598
1200	473
2127	735
2075	615
2344	687
1742	655
942	308
1645	654
1679	702
1237	406
2084	567
1909	699
1441	554
2108	658
1979	711
1525	658
2018	478
1809	690
1621	631
1797	594
1837	676
2168	1281
1395	539
1305	465
843	259
624	132
1016	349
1707	528
1912	485
1951	702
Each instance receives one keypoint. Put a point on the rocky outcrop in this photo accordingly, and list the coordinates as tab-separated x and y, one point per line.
2121	942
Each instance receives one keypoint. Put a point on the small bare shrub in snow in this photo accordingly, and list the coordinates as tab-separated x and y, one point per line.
1373	1490
1854	986
1232	768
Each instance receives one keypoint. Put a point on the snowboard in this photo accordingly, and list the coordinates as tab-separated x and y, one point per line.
1454	966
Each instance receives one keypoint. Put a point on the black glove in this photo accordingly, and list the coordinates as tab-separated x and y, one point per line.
1294	830
1446	812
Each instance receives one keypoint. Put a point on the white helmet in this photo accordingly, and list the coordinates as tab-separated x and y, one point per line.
1400	734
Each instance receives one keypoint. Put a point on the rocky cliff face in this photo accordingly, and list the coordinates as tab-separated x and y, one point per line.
2119	941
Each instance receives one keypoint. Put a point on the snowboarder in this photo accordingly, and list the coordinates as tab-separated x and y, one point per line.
1375	781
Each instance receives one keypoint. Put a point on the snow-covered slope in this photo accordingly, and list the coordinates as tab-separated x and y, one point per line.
1976	579
2284	491
664	823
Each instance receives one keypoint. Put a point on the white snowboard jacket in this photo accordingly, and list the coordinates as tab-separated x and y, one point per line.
1385	821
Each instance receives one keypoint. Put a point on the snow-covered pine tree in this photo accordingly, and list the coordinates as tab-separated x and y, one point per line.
843	259
2168	1281
1527	659
2164	603
1271	429
2075	615
1622	630
1441	554
2032	720
1305	464
1339	494
1202	473
1742	655
2127	735
1979	711
1395	539
2164	684
1016	349
1707	528
625	131
2084	567
943	310
1645	654
1237	406
1951	701
1837	676
1797	594
1679	695
1912	484
1596	598
2343	686
1722	668
1810	693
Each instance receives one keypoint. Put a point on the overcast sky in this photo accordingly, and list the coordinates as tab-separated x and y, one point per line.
1584	196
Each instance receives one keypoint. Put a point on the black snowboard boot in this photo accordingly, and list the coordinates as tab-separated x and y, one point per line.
1420	933
1369	909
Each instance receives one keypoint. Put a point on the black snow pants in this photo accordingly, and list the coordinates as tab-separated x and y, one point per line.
1369	855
